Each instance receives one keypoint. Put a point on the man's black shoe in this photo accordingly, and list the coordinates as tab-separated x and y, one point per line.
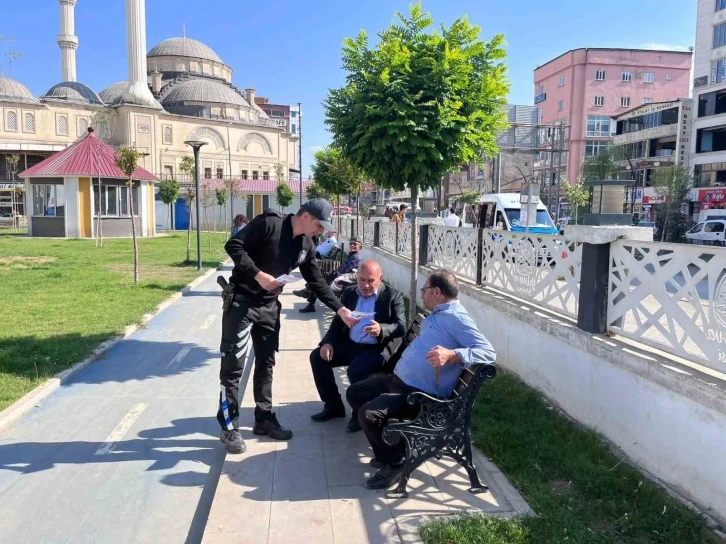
233	441
375	463
326	414
353	425
303	293
272	428
385	477
310	308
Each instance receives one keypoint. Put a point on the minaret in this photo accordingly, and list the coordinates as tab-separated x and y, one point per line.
67	40
138	90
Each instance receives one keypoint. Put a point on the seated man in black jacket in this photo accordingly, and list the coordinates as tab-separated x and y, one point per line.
360	347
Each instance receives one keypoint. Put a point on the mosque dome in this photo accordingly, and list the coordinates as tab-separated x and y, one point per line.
184	47
72	91
14	91
203	90
113	92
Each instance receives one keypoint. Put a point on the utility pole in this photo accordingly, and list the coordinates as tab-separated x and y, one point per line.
299	148
559	167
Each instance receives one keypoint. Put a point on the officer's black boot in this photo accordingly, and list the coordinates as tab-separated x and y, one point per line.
233	441
271	427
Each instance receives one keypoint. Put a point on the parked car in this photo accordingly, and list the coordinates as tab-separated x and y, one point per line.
708	233
344	210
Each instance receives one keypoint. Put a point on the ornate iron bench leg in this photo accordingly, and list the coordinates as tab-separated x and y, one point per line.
467	461
399	492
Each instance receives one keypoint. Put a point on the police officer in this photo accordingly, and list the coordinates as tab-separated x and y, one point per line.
269	246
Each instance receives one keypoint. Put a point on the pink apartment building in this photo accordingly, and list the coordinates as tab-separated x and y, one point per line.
583	88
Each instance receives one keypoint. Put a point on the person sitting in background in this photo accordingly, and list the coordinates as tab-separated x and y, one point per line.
351	263
240	222
452	220
361	347
400	217
448	342
324	249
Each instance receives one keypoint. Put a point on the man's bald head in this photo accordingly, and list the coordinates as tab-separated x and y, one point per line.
369	277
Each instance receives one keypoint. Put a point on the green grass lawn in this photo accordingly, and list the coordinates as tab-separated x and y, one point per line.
580	490
61	298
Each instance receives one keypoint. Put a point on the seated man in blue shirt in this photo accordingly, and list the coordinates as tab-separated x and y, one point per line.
324	249
448	342
361	347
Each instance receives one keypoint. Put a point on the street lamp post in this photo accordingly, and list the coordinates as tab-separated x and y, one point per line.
299	146
196	145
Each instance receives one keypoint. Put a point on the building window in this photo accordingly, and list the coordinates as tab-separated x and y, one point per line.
244	174
62	125
593	148
600	75
627	76
220	173
598	126
561	105
720	4
11	121
82	126
719	35
647	100
625	102
669	77
28	122
712	103
168	172
294	129
648	77
599	100
255	174
562	81
114	200
49	200
168	135
718	71
540	90
293	114
207	173
265	175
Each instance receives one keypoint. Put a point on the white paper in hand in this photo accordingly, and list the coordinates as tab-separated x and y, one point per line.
361	315
286	278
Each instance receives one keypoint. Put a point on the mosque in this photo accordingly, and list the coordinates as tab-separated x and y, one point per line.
180	90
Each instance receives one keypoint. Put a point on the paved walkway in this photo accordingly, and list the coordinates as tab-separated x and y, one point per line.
311	488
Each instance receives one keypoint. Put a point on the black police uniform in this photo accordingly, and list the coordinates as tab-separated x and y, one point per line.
266	244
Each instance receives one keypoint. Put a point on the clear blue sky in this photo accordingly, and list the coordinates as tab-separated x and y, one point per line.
289	50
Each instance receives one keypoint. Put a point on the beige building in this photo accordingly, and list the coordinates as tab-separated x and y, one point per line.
193	99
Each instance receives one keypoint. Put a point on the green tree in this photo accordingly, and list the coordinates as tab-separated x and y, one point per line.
314	190
672	184
578	196
419	104
127	160
609	163
12	161
285	196
222	197
332	172
169	192
186	166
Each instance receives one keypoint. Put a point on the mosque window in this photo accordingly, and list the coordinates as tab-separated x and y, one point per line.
62	125
29	122
168	134
82	126
11	121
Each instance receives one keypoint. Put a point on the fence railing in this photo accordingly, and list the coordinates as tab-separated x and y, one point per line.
671	297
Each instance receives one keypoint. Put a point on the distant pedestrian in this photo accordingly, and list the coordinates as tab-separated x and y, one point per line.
400	217
240	222
452	220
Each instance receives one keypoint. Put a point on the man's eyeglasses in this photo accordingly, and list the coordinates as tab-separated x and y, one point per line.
423	290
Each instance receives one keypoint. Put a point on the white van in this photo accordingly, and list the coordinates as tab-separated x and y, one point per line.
707	215
710	233
502	211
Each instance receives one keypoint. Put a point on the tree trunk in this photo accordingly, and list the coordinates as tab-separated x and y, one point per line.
665	224
133	233
414	254
357	216
168	218
339	233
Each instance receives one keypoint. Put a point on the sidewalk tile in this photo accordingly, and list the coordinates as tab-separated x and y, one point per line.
361	516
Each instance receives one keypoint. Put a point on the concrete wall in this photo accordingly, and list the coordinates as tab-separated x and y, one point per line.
50	227
669	419
119	227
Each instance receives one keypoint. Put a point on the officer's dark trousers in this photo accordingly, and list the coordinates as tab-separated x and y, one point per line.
246	325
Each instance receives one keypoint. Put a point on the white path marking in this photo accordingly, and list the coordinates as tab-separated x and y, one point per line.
179	357
121	429
209	322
